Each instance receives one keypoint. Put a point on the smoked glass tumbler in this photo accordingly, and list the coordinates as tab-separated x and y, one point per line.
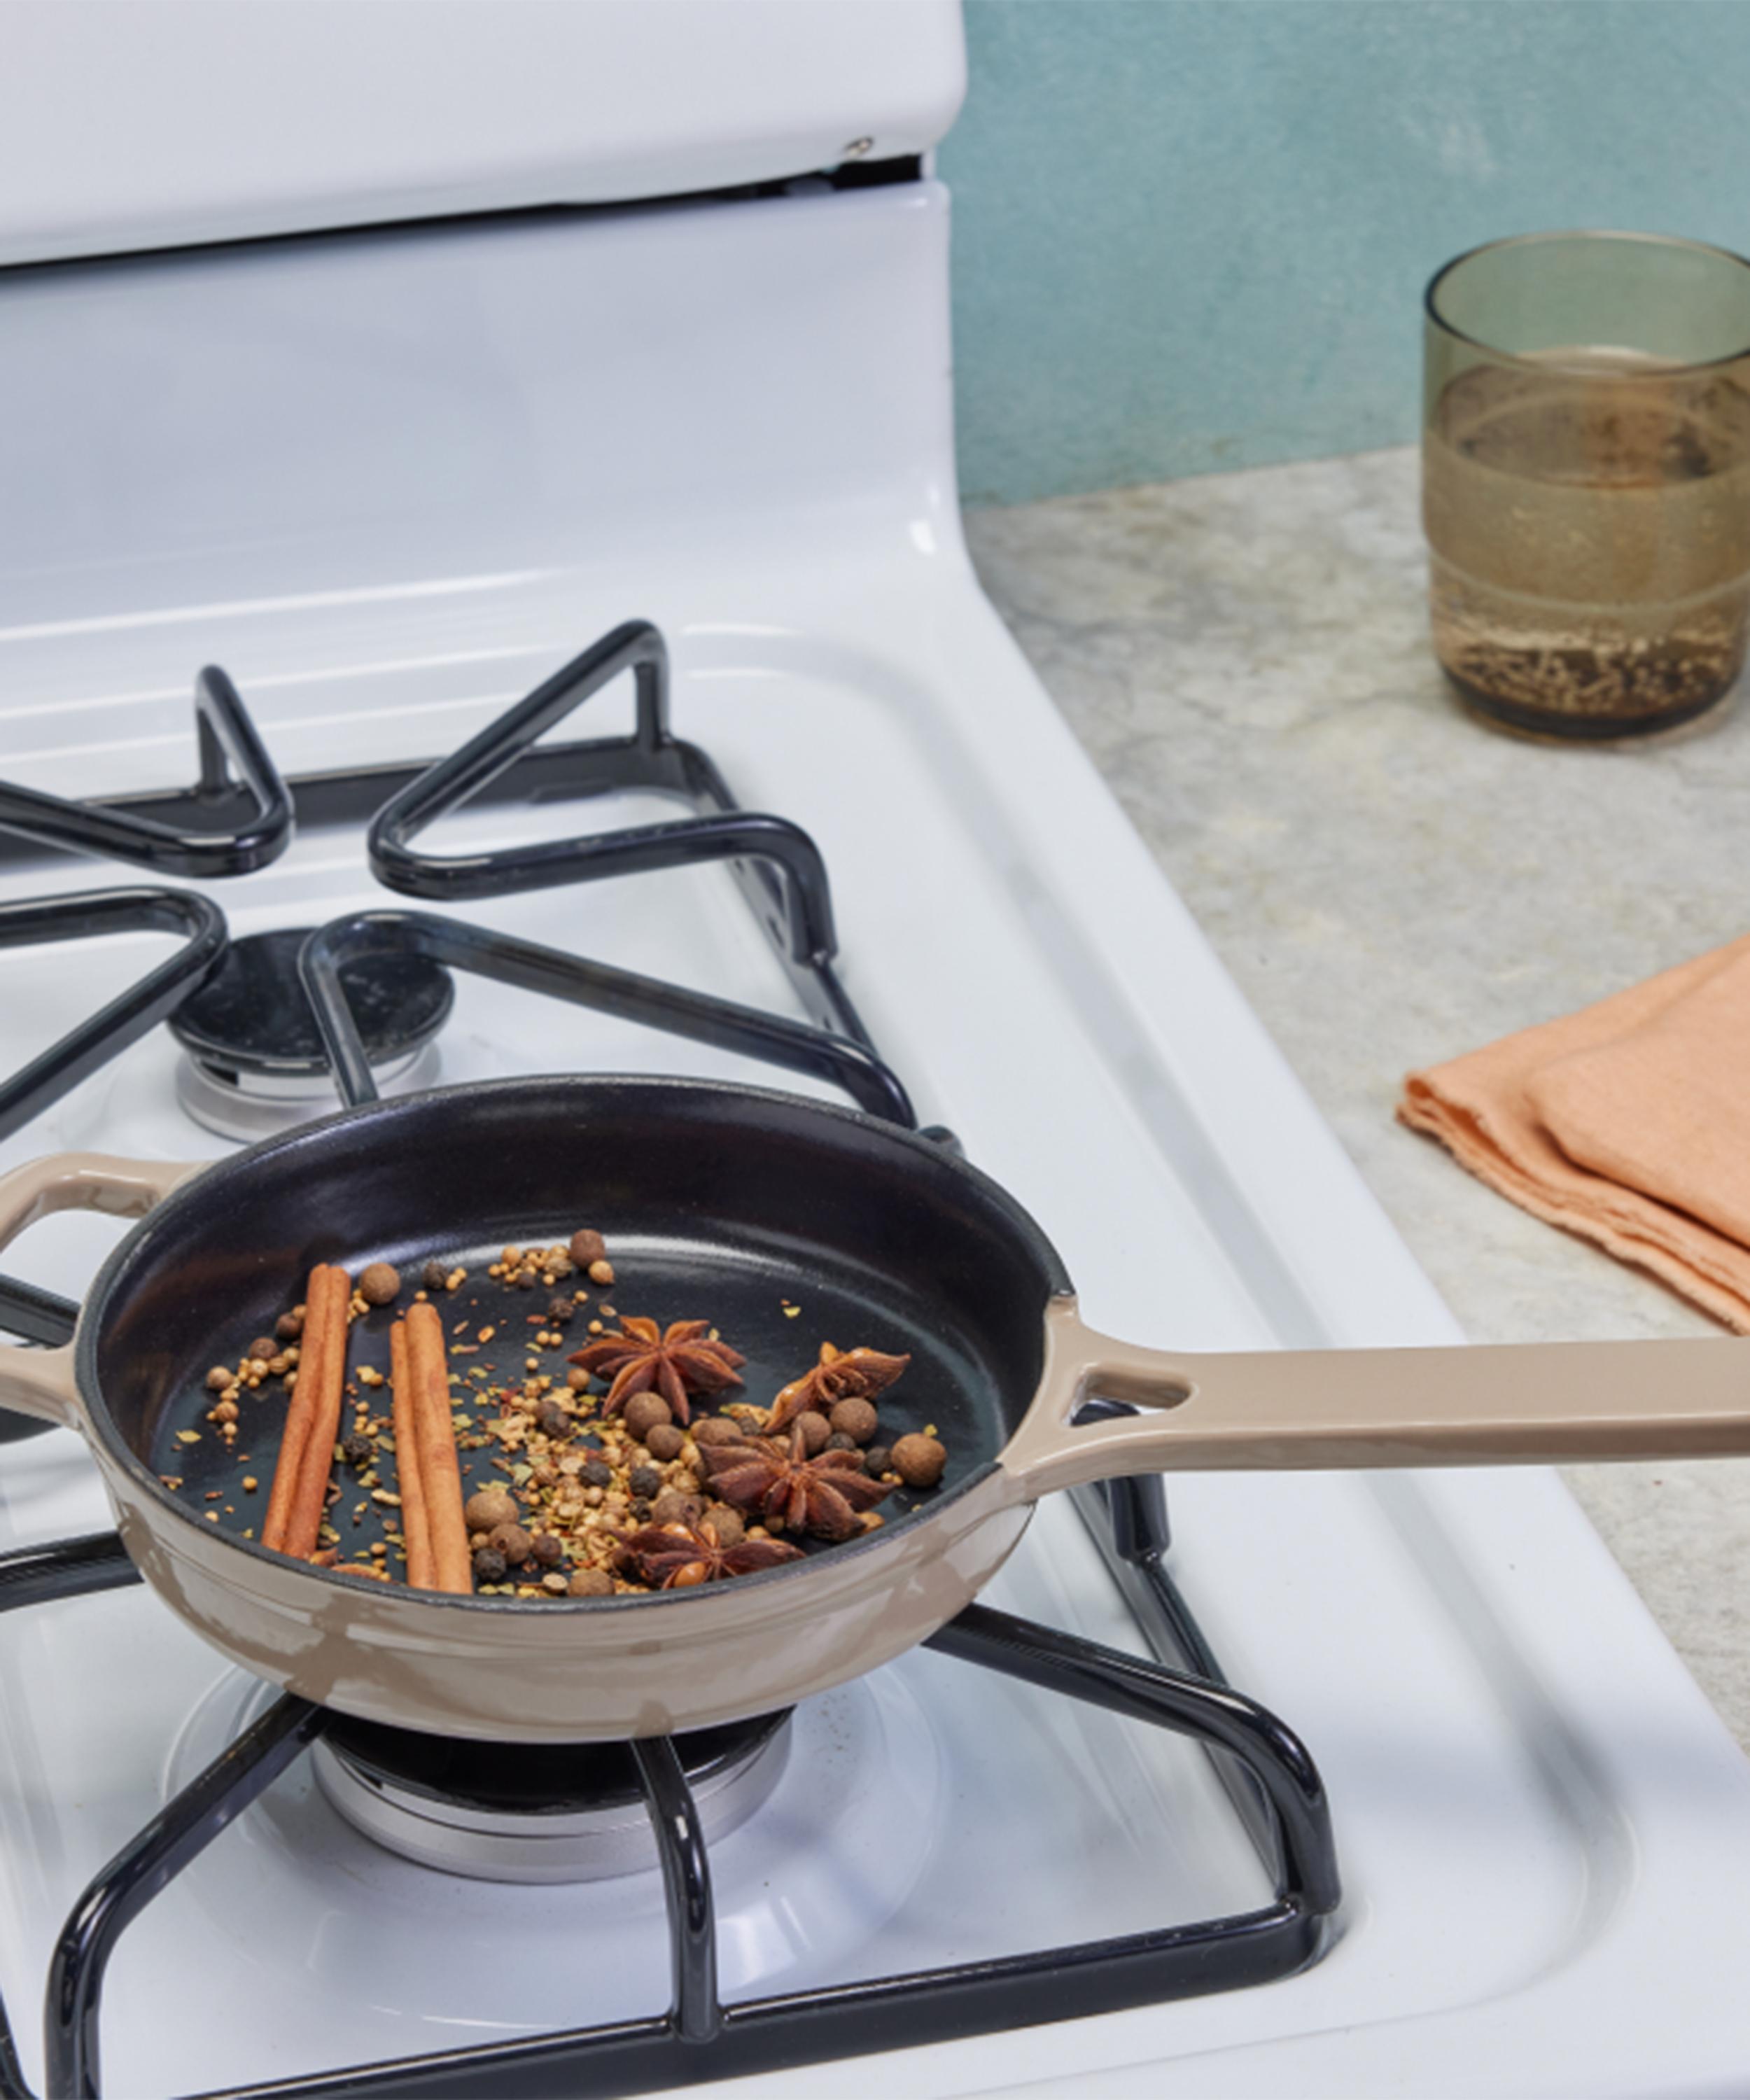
1586	479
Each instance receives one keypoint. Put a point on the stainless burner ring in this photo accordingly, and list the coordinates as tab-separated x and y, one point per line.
566	1844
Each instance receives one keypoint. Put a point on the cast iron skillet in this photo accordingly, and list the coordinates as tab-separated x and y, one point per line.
722	1202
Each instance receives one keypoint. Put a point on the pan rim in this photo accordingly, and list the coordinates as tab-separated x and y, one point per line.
134	1245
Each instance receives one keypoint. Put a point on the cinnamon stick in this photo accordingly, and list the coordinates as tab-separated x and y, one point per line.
315	1464
421	1570
434	1433
301	1408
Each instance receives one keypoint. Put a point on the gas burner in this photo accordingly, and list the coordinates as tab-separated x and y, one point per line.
255	1063
546	1812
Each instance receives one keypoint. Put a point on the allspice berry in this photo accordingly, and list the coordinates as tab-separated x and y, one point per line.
488	1565
855	1418
919	1461
815	1429
261	1347
664	1442
716	1429
586	1246
726	1523
671	1507
289	1326
489	1508
552	1419
592	1583
546	1551
380	1284
577	1379
643	1412
513	1542
218	1379
559	1310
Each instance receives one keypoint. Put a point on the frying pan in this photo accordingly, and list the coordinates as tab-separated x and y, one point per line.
734	1203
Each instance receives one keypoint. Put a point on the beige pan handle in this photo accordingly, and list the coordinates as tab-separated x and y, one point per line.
40	1382
1532	1403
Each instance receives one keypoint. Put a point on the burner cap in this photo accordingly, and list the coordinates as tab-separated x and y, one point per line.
535	1811
251	1016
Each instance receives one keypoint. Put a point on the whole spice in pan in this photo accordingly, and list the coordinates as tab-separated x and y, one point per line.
680	1359
433	1449
839	1374
301	1478
826	1496
676	1556
415	1526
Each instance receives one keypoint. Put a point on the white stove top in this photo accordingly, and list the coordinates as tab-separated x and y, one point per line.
1540	1823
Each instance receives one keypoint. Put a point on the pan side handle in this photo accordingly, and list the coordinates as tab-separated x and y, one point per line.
1532	1403
40	1382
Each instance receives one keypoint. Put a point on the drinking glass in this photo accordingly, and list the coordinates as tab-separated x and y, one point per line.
1586	479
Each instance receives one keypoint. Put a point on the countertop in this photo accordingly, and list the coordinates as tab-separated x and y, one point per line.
1246	657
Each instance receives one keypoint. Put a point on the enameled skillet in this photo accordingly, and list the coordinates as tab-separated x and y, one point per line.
726	1201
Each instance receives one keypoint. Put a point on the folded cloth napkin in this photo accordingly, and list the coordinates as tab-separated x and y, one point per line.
1628	1123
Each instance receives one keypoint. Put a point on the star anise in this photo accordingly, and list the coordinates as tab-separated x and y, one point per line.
676	1361
840	1375
825	1495
676	1556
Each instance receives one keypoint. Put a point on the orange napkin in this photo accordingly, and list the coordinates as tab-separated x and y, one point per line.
1628	1123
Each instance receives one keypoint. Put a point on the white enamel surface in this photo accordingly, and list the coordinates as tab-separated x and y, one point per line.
1542	1825
127	127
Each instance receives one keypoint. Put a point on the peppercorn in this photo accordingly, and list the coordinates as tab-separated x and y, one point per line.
586	1246
218	1379
592	1583
877	1460
434	1276
644	1481
716	1429
726	1523
289	1326
839	1441
919	1461
380	1284
856	1418
641	1512
815	1429
488	1507
553	1418
547	1552
513	1542
644	1411
358	1450
261	1347
559	1310
595	1475
489	1565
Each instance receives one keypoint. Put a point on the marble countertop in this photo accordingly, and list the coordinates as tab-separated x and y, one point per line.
1245	657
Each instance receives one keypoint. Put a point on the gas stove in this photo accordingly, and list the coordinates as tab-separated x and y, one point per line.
1319	1784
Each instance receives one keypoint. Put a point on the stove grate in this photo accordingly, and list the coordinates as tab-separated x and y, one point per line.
700	2037
167	834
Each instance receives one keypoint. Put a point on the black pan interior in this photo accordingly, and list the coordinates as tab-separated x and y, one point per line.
730	1204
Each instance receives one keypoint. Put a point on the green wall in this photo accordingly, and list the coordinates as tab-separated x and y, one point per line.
1191	235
